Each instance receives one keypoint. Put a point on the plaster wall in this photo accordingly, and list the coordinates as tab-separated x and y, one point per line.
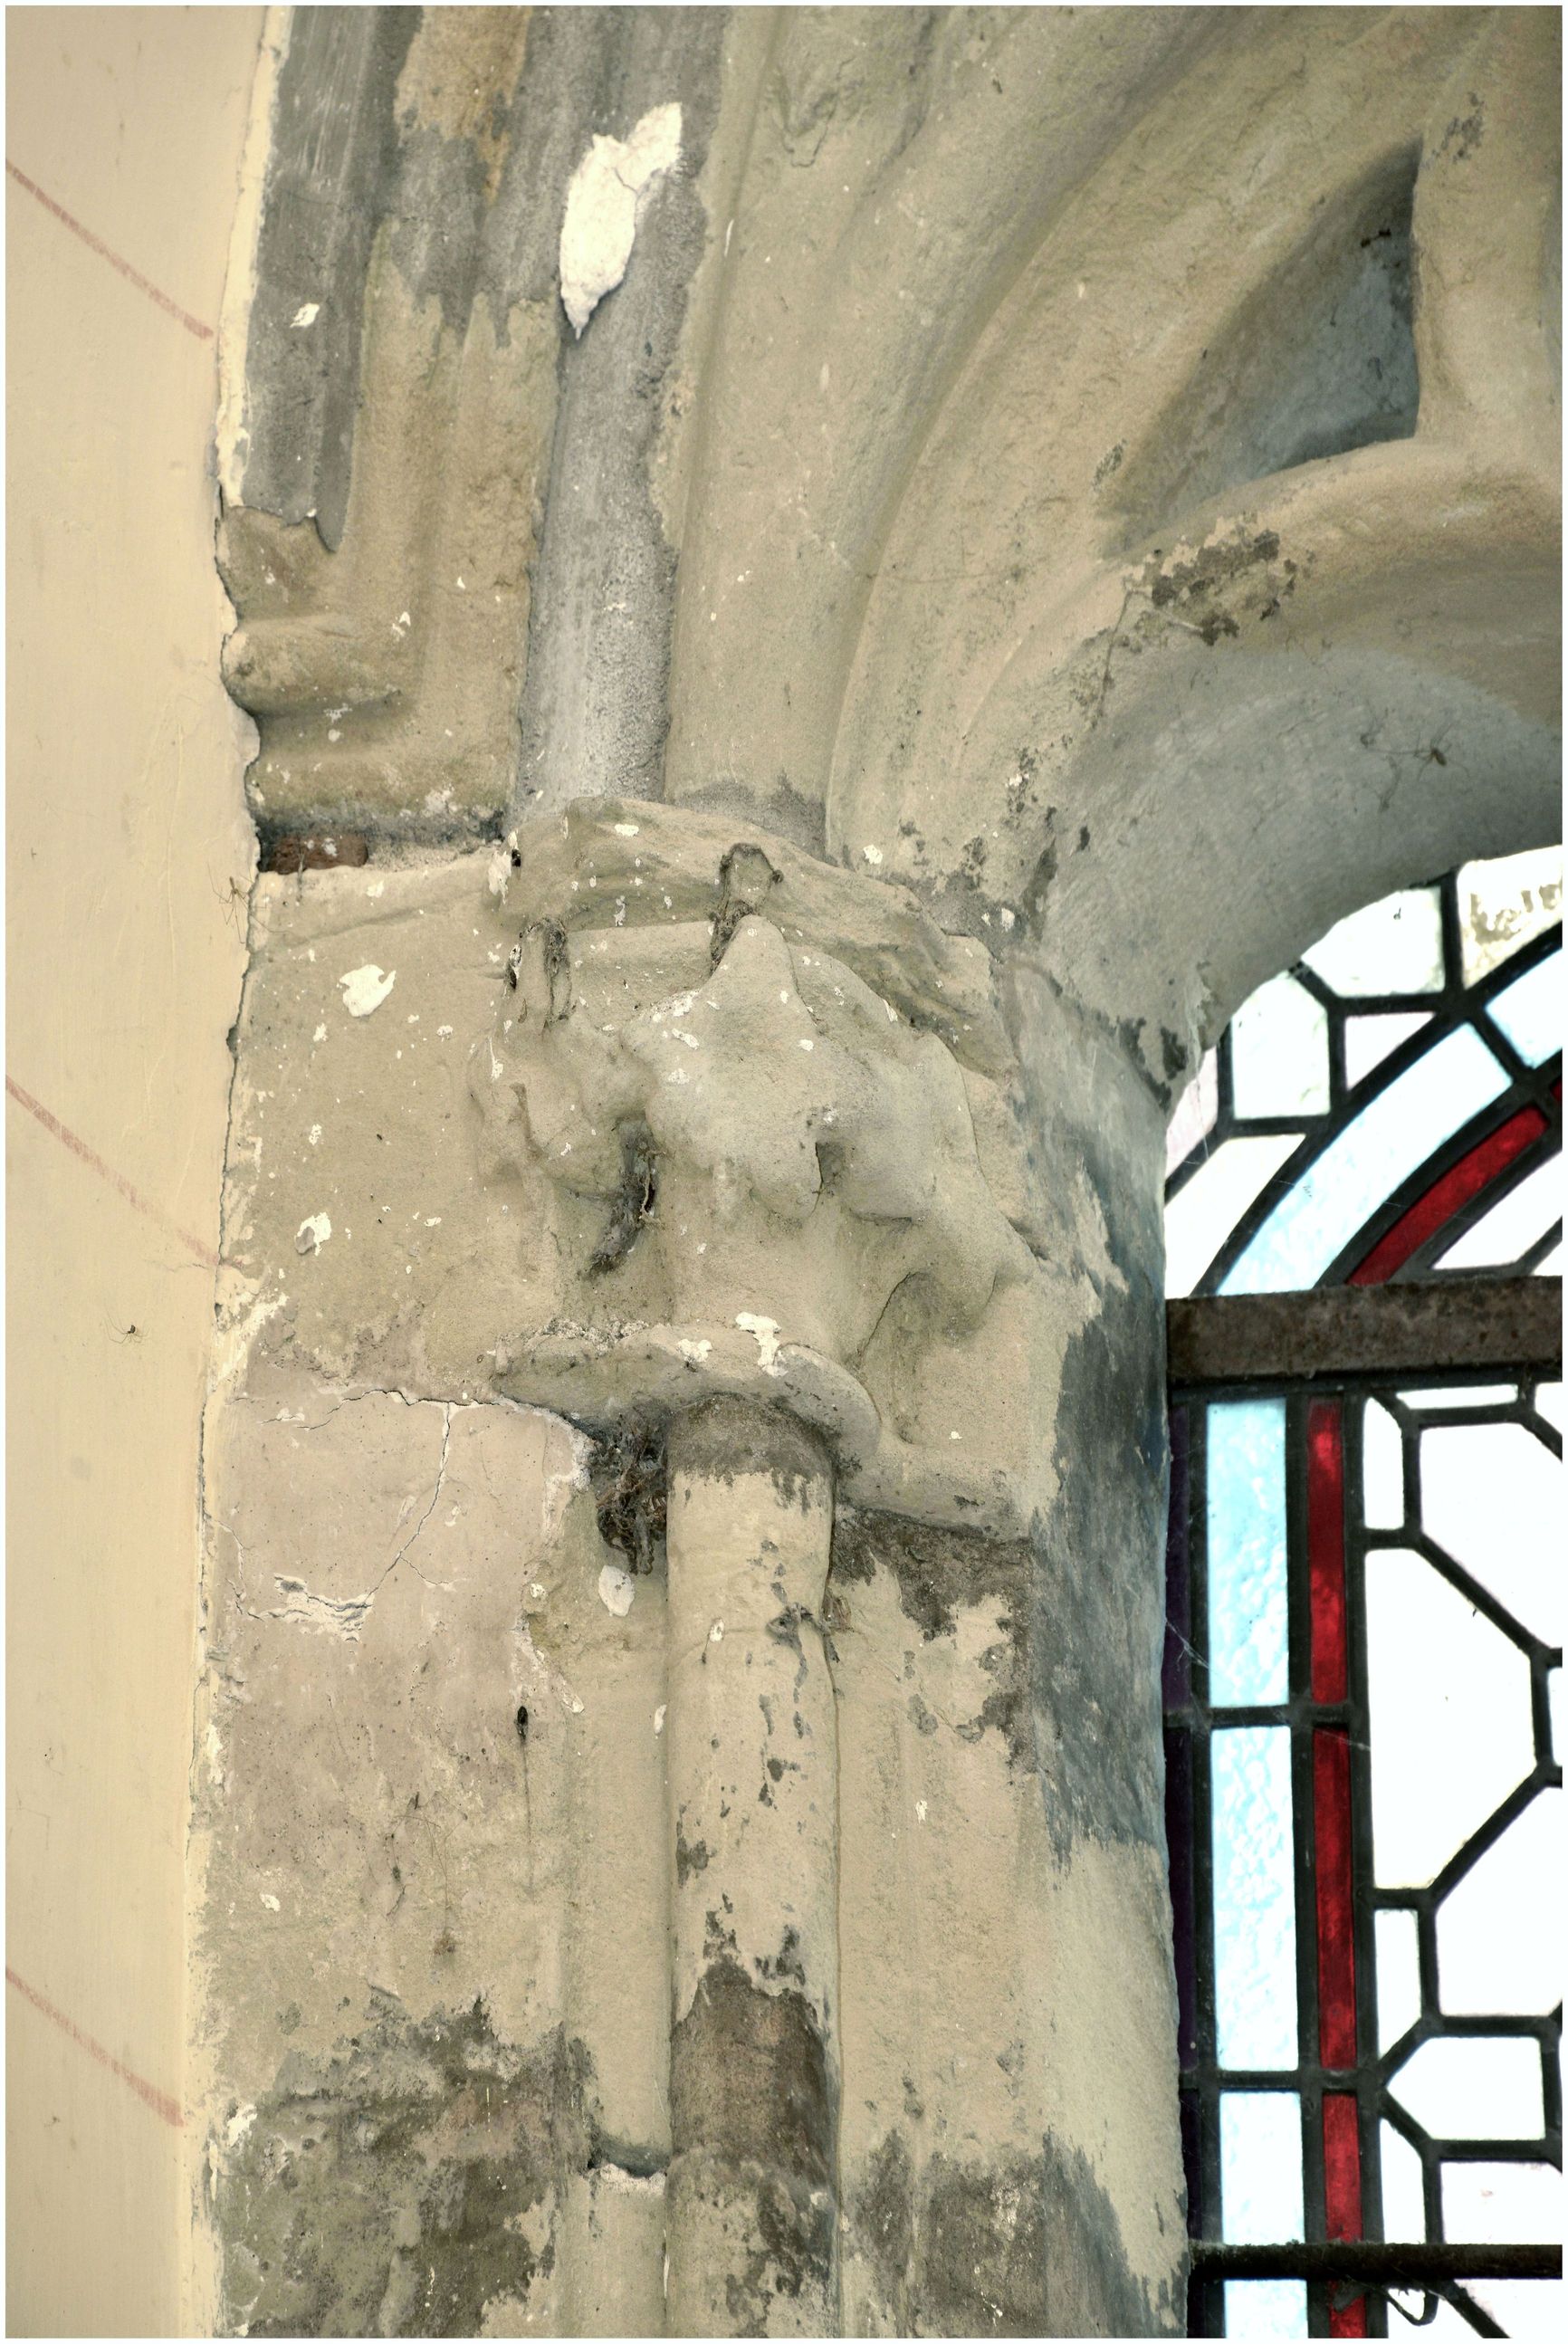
130	859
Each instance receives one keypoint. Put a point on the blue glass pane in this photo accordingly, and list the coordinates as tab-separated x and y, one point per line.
1530	1010
1261	2168
1249	1641
1393	1135
1265	2307
1254	1898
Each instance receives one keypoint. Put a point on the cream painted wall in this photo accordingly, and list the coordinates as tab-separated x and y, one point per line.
129	861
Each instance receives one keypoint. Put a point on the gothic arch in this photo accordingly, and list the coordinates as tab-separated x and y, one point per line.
1055	507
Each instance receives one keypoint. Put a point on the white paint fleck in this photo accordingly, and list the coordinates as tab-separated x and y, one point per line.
314	1134
767	1331
270	1901
872	853
808	1044
920	1809
696	1352
441	1032
365	989
716	1632
604	202
500	871
312	1233
214	1755
616	1590
240	2122
659	1717
625	829
306	314
319	1034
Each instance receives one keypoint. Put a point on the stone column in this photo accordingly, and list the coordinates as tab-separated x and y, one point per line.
751	1744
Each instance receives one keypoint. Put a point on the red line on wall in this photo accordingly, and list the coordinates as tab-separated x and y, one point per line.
160	2102
133	1196
132	276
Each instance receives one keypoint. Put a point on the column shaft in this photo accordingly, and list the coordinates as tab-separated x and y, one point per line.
753	1775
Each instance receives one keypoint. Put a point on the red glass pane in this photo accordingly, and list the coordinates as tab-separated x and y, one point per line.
1342	2196
1457	1185
1336	1928
1326	1548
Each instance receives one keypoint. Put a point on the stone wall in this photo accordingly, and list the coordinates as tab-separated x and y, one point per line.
824	591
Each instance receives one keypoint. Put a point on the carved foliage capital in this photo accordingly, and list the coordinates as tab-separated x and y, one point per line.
765	1100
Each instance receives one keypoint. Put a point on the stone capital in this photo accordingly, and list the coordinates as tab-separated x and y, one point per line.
767	1103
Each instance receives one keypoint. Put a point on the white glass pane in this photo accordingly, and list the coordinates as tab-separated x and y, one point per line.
1249	1626
1394	945
1527	2309
1492	1497
1460	1396
1265	2307
1280	1052
1198	1220
1261	2168
1530	1010
1508	2204
1391	1138
1446	2323
1514	1224
1499	1929
1254	1897
1450	1731
1549	1403
1399	1975
1195	1113
1504	903
1382	1469
1371	1039
1404	2206
1473	2087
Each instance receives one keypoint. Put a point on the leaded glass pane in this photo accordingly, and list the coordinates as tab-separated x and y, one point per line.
1393	1135
1254	1898
1394	945
1506	905
1362	1685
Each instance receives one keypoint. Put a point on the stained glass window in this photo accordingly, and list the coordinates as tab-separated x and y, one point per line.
1363	1663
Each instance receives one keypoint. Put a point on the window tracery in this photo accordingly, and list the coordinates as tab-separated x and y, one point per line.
1364	1640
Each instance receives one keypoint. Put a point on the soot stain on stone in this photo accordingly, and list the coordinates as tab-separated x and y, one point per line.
724	1439
941	1573
1096	1586
1190	579
1091	2288
690	1856
378	2189
1019	2246
755	2112
749	2077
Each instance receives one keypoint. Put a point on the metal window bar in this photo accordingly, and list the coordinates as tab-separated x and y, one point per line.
1352	1343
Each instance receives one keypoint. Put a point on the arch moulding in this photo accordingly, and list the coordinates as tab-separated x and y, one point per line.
823	592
